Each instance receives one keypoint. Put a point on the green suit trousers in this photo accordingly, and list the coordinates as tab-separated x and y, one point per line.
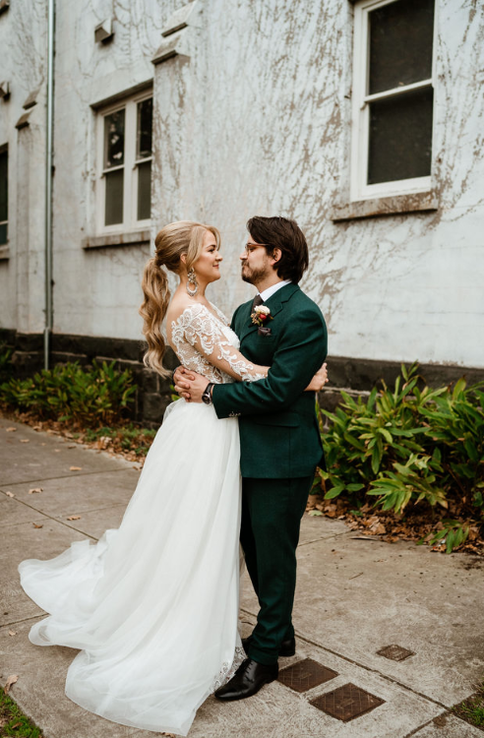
271	515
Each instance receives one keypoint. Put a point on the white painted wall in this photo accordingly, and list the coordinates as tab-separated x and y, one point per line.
257	120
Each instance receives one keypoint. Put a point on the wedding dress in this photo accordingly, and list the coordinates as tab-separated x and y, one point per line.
153	606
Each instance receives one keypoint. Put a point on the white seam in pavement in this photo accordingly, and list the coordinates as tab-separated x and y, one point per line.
63	476
56	520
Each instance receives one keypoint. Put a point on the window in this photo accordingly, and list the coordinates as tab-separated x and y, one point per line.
125	149
3	195
392	98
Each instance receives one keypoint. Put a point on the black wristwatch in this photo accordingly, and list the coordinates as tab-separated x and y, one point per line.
207	394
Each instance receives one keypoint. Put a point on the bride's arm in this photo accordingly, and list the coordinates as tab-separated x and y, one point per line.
204	332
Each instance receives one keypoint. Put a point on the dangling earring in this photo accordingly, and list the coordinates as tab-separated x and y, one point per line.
192	279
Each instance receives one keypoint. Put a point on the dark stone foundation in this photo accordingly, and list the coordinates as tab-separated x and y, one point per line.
355	376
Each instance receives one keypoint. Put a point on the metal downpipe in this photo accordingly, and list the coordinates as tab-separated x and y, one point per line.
48	181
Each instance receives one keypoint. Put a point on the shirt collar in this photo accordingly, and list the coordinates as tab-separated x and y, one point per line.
273	289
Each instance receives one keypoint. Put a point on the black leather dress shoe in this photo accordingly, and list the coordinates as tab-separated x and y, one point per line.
287	648
247	680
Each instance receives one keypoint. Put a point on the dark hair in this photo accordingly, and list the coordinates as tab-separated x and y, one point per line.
284	234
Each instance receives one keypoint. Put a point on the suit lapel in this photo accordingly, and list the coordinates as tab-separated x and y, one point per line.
275	303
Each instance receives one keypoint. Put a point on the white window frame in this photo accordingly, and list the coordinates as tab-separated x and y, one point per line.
359	189
4	150
130	166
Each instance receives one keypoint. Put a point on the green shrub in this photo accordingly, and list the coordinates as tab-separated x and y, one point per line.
409	445
93	396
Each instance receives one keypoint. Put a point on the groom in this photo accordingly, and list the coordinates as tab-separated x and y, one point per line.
279	434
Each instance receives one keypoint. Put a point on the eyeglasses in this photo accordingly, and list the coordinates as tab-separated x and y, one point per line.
249	247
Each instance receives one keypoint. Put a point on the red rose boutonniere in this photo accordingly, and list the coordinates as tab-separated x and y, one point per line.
261	317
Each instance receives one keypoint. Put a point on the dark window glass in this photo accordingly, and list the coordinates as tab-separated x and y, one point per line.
144	190
114	197
401	35
3	195
144	134
400	145
114	139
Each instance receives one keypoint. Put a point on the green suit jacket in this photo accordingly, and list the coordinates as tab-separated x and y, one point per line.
279	433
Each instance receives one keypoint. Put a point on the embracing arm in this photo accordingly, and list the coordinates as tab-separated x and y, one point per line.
302	350
198	327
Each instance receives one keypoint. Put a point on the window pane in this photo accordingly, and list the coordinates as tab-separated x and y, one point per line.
3	185
400	144
144	190
3	233
114	139
145	113
401	35
114	197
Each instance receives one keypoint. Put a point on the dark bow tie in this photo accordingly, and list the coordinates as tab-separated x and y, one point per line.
256	301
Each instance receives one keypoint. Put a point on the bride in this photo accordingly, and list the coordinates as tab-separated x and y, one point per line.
153	606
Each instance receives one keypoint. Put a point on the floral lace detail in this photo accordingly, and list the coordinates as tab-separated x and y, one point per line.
228	670
198	334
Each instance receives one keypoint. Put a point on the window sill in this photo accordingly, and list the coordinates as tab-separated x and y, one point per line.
130	238
4	253
417	202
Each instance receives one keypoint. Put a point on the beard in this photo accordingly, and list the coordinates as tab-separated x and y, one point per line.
252	276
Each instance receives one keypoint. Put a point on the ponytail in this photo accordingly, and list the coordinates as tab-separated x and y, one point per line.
153	310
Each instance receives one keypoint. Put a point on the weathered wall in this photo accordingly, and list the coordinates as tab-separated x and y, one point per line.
255	120
22	63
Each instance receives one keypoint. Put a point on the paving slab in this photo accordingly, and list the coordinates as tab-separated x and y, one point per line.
45	456
71	495
355	597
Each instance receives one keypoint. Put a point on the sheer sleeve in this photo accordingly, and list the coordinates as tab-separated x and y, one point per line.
210	338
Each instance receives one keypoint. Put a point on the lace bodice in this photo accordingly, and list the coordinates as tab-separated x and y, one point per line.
206	344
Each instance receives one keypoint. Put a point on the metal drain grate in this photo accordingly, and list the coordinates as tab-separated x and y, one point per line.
305	675
395	653
347	702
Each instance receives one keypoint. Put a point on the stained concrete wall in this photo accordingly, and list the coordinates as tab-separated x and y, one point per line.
253	116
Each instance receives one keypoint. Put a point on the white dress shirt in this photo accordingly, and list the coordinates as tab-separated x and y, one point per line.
273	289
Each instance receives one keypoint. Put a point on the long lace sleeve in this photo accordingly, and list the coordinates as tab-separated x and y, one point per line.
198	327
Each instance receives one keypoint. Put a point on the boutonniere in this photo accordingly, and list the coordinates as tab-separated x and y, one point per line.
261	316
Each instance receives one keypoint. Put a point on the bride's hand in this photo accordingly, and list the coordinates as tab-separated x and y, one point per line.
319	380
181	379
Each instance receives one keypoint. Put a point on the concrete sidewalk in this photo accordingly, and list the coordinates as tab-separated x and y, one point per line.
354	598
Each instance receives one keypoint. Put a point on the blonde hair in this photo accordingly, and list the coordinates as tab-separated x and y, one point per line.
175	239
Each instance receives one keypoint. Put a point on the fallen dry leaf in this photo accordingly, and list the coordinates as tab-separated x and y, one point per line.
11	430
74	517
35	490
12	632
10	494
11	680
24	440
75	468
72	445
37	526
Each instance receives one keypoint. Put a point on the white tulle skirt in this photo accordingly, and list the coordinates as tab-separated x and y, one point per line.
153	605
